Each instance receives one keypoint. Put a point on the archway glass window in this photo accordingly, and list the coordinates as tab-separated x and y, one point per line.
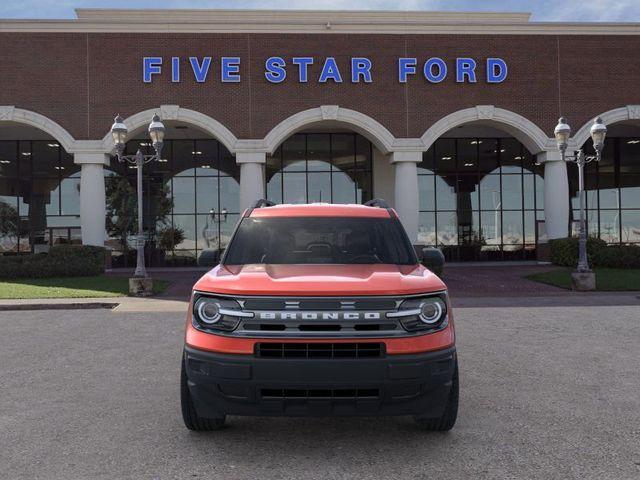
612	191
321	167
201	180
39	196
480	199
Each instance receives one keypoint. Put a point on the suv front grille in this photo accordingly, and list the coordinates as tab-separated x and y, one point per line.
325	304
319	350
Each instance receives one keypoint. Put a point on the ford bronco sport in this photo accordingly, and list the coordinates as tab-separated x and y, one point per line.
319	310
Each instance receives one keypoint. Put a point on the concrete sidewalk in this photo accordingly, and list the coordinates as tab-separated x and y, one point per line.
117	304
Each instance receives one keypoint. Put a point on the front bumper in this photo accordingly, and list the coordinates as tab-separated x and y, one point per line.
227	384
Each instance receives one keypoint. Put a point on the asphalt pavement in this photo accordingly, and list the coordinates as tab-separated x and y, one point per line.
547	392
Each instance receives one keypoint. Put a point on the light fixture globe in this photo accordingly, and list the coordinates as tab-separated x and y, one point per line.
562	133
156	132
119	133
598	133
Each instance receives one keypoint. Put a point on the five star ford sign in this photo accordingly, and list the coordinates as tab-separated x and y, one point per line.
361	69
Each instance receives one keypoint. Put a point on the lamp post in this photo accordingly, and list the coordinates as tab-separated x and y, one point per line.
562	133
119	133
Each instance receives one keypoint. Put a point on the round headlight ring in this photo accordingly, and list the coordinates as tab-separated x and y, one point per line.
208	311
431	311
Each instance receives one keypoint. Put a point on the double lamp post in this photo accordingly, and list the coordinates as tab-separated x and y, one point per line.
140	284
583	278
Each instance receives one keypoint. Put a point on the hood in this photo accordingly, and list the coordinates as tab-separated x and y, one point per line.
319	280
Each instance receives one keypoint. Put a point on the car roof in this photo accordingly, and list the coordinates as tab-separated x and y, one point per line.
320	210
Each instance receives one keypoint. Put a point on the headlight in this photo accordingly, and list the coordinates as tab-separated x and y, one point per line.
431	310
208	310
214	313
422	313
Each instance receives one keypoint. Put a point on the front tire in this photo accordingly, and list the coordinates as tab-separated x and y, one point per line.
448	419
189	415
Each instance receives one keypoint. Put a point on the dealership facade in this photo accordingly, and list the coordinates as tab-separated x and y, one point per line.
448	116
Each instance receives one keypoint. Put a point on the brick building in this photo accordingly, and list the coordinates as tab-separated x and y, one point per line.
449	116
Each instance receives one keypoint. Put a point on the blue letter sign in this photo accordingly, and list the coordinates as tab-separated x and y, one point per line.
330	71
275	69
440	65
434	69
496	70
360	67
200	71
151	66
406	66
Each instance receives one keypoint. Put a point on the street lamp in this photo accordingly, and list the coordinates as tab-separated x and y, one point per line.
562	133
119	133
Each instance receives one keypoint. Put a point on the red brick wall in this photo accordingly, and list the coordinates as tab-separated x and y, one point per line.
82	80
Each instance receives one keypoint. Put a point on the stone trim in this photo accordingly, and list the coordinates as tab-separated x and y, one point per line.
531	136
10	113
177	113
382	138
629	112
318	22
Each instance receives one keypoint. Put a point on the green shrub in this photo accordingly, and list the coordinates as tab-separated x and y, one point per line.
618	256
61	261
564	251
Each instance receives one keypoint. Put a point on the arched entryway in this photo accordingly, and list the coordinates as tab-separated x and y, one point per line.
328	154
481	186
613	185
39	184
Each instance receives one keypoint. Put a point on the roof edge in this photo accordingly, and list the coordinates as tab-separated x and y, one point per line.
285	16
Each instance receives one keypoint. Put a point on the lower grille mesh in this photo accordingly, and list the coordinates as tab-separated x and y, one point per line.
336	393
319	350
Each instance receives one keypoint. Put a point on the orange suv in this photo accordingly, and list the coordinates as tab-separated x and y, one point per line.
318	310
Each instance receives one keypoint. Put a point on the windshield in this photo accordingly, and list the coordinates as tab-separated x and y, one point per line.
314	240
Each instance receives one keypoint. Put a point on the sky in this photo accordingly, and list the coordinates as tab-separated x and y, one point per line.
542	10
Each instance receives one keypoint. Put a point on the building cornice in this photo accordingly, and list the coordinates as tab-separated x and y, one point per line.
314	22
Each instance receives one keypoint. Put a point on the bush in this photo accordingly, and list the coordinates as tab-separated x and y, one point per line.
564	251
618	256
61	261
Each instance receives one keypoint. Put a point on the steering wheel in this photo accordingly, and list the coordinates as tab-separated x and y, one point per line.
365	256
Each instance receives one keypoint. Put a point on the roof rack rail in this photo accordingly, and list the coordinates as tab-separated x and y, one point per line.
377	202
263	202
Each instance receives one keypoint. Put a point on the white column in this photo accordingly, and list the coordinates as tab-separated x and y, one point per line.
406	190
556	194
92	197
251	177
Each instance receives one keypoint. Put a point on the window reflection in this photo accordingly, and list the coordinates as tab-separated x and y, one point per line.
477	201
320	167
612	191
39	196
200	180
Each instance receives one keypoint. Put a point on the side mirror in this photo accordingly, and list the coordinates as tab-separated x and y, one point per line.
209	258
433	259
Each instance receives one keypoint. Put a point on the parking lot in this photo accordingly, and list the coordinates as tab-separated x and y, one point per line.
551	392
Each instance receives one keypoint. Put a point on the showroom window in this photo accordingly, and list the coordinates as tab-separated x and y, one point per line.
480	199
39	196
320	167
612	192
191	201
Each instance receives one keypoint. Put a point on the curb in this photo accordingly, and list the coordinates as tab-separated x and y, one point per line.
57	306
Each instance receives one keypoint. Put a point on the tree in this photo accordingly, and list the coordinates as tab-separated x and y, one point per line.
122	209
9	221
